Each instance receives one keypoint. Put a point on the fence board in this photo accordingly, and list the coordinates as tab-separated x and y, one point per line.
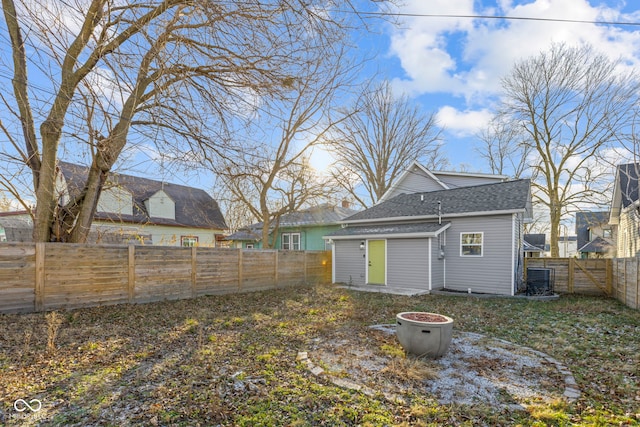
17	277
216	271
35	277
580	276
81	275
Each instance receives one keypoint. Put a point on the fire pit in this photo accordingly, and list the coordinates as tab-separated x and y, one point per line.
424	334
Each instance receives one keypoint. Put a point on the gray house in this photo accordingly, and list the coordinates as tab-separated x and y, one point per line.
461	237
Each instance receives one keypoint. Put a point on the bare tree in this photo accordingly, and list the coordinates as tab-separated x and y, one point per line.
379	140
271	176
160	71
570	102
504	149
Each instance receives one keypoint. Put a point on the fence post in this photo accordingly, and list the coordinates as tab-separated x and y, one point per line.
637	284
626	279
194	269
275	263
609	276
305	267
570	280
131	282
39	285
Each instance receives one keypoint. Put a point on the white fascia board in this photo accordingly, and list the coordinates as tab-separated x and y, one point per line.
390	235
471	174
445	217
384	236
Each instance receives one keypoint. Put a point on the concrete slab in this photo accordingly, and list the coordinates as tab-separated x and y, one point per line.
387	290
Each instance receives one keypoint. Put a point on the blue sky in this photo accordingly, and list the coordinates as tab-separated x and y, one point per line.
453	65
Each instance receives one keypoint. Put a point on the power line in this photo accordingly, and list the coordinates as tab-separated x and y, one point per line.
495	17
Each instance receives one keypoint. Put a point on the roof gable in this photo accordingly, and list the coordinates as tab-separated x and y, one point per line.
193	206
510	196
415	178
418	179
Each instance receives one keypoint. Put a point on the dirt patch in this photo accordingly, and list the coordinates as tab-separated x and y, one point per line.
475	370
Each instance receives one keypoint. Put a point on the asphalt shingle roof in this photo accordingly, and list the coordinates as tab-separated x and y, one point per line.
316	215
501	196
535	242
194	207
598	245
413	228
628	181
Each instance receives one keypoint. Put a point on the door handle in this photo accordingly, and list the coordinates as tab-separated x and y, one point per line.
369	263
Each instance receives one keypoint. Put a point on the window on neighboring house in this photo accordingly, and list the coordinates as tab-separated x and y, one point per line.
249	246
189	241
291	241
471	244
606	234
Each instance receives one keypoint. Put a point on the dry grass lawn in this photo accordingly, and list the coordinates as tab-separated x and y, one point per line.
231	361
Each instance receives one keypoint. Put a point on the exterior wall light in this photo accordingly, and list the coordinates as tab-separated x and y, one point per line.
362	245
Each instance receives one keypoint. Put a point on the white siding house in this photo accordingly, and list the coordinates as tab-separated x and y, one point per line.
141	210
625	210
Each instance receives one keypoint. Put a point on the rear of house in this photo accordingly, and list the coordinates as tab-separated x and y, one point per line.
461	239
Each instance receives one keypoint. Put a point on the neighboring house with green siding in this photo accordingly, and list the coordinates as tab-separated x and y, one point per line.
301	230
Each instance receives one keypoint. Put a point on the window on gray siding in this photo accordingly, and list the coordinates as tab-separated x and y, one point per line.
471	244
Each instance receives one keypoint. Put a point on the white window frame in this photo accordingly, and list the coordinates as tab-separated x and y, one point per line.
291	244
189	240
481	244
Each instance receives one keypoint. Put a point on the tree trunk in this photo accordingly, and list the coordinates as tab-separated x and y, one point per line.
555	217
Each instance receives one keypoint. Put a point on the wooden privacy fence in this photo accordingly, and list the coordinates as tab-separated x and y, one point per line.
626	279
618	278
48	276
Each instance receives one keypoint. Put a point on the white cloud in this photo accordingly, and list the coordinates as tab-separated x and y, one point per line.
468	57
463	123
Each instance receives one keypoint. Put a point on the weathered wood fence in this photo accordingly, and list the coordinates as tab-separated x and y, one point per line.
48	276
618	278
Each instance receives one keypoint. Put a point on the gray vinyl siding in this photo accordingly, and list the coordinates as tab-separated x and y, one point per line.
437	265
492	272
408	263
415	182
349	263
465	181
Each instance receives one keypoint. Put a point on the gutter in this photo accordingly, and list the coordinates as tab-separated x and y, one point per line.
429	217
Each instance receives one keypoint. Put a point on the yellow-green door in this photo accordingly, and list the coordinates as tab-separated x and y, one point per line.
376	259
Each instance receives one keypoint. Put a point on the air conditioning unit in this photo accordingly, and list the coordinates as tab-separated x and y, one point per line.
540	281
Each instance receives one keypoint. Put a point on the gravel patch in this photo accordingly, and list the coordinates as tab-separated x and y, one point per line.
475	370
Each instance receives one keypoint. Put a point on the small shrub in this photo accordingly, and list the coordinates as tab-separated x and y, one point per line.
54	321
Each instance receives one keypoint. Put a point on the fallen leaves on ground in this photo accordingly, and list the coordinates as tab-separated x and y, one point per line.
231	360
